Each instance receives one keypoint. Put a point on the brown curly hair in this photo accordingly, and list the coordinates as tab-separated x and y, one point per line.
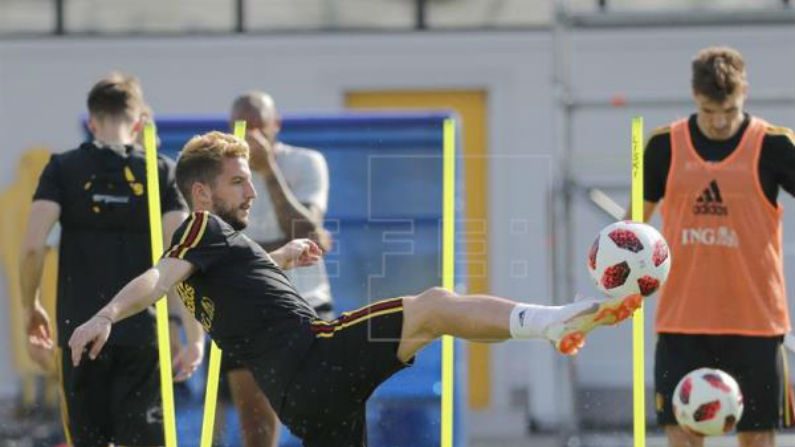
718	72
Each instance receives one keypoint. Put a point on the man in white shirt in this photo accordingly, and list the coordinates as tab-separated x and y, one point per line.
292	186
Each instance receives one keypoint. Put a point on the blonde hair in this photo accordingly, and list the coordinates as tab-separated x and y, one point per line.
201	159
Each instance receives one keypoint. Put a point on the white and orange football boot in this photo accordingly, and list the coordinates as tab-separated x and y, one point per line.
584	315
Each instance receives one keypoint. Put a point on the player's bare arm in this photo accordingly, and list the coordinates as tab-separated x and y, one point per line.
43	216
188	357
136	296
296	220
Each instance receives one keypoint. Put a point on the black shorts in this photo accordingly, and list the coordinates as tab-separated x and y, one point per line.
114	398
324	405
230	362
755	362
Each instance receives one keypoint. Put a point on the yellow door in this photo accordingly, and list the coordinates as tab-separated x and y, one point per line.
470	105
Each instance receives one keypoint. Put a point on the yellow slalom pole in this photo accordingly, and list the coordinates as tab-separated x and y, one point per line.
448	271
211	394
156	234
638	340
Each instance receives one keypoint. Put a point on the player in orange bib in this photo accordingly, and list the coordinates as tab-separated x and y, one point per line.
718	175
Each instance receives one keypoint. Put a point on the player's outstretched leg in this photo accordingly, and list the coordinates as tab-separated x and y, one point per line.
485	318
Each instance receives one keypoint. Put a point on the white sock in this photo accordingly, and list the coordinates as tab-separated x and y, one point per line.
530	320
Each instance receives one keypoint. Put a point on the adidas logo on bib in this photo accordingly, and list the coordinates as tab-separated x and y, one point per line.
710	202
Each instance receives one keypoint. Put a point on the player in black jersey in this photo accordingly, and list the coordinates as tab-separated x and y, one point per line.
97	192
317	374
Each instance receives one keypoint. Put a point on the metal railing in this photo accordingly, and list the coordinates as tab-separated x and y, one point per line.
62	17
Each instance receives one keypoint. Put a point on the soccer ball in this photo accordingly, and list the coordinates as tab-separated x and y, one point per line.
707	402
629	258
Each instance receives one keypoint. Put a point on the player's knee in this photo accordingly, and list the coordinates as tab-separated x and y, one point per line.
436	296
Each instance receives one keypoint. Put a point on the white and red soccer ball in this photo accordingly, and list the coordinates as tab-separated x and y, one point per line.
629	258
707	402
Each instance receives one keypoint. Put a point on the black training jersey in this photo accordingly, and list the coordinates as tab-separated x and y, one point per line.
105	232
242	298
776	161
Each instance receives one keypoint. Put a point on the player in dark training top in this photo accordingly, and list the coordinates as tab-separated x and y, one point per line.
97	194
317	374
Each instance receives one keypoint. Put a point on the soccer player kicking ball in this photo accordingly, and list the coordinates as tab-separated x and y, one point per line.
317	374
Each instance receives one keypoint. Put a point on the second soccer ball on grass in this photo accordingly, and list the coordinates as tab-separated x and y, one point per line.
708	402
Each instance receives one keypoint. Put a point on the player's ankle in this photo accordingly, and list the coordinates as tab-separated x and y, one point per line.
530	320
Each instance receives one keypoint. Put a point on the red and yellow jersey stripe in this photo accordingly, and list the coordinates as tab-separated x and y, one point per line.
194	231
325	329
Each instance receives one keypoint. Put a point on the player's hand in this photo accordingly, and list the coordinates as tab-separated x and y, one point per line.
260	150
188	360
298	253
94	332
322	238
39	345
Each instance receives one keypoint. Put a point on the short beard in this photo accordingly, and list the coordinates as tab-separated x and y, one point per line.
228	214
